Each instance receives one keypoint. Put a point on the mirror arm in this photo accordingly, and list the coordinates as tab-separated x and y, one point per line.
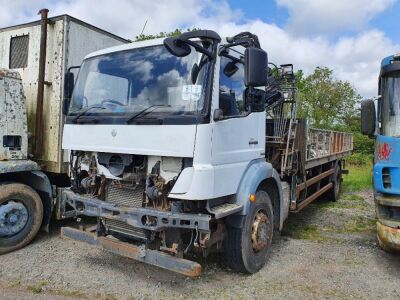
235	59
198	48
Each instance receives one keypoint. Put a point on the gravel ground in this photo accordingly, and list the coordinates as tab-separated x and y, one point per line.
326	251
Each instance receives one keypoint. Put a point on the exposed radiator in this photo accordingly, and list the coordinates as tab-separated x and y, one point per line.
127	197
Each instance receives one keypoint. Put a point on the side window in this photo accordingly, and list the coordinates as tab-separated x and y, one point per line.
231	87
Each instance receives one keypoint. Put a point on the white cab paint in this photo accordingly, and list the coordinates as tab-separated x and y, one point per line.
238	140
158	140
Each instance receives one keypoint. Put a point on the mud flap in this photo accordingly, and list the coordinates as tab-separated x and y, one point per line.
152	257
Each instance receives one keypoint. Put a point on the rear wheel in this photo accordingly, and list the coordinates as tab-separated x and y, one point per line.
247	248
334	193
21	215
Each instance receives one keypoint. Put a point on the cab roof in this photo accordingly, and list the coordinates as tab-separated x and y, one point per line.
132	45
389	59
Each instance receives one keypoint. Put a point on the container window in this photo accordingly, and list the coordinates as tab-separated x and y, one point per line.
19	51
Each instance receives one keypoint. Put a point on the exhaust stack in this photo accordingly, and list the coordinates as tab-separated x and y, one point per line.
41	82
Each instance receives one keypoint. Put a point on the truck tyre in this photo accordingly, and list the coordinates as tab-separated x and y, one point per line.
334	193
246	249
21	215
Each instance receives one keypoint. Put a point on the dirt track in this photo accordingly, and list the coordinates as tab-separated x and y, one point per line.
326	251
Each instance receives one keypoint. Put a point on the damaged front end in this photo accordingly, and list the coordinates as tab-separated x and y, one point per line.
388	224
129	196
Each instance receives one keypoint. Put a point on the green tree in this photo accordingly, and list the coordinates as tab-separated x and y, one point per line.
330	103
163	34
326	101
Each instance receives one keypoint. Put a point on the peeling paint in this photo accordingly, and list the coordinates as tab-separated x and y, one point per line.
13	121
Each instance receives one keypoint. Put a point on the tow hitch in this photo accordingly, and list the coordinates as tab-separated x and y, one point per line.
152	257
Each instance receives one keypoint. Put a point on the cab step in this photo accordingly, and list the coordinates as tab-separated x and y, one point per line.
225	209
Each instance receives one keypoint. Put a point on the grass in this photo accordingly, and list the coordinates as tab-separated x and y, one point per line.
304	232
351	211
359	178
359	224
37	289
347	200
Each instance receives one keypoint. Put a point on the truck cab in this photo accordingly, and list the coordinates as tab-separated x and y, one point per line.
384	126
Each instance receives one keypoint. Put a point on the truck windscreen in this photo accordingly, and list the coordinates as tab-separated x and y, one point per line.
390	89
124	86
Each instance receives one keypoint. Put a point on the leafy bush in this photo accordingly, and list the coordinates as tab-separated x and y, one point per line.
363	144
360	159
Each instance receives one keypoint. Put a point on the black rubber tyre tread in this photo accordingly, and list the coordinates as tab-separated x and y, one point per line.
33	202
236	256
334	193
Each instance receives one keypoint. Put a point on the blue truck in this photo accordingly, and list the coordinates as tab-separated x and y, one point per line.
380	119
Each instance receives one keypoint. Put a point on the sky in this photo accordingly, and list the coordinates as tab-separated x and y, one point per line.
349	36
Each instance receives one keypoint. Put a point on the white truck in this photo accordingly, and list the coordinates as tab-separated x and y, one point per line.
180	146
191	144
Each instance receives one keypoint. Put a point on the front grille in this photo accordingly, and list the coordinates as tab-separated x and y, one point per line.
127	197
386	178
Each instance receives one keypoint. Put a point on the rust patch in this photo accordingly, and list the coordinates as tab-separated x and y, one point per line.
388	237
120	248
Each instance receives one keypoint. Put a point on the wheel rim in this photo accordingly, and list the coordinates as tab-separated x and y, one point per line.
260	232
13	218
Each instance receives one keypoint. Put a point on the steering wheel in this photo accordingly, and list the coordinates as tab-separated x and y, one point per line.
112	102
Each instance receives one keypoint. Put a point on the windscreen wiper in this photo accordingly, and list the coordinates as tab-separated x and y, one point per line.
132	117
85	111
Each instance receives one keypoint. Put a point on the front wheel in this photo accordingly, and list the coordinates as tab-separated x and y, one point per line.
247	248
21	215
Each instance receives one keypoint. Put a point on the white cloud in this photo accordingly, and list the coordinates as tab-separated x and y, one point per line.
355	57
327	16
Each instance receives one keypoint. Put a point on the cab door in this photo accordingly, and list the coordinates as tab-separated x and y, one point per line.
239	137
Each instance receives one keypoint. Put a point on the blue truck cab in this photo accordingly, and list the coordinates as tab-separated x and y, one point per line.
381	120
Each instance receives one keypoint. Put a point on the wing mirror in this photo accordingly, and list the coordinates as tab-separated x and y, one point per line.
230	69
368	117
255	67
177	47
